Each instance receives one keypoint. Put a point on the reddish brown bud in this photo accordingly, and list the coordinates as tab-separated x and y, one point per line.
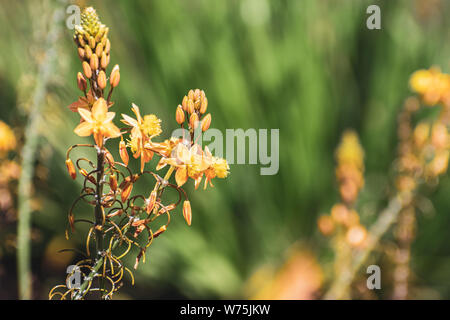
113	182
115	76
123	152
101	80
87	70
151	201
126	191
179	115
206	122
71	169
81	82
109	157
187	212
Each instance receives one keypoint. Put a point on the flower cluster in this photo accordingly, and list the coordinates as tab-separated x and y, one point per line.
344	219
121	219
432	86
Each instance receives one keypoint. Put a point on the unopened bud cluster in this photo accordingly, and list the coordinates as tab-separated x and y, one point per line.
91	37
192	109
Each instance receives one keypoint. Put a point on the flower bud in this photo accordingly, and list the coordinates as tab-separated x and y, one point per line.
123	152
81	82
326	225
71	169
179	115
204	105
126	191
151	201
87	52
206	122
191	94
184	104
193	121
113	182
187	212
87	70
101	80
99	50
81	53
190	106
94	62
115	76
103	60
91	42
107	45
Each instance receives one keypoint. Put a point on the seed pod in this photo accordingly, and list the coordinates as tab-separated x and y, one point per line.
184	104
193	121
206	122
81	82
113	182
204	105
151	201
94	62
87	70
115	76
179	115
187	212
99	50
71	169
101	80
81	53
103	60
87	52
123	152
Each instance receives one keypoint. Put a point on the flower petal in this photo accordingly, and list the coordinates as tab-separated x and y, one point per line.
181	176
85	114
99	110
129	120
84	129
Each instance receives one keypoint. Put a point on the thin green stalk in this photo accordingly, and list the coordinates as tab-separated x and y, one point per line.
387	217
28	159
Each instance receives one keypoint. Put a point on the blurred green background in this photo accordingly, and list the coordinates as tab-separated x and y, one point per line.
310	68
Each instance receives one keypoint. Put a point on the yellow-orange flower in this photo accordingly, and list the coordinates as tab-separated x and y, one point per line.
98	122
143	129
7	138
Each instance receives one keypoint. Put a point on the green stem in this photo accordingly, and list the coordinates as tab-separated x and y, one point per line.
28	159
99	262
387	217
